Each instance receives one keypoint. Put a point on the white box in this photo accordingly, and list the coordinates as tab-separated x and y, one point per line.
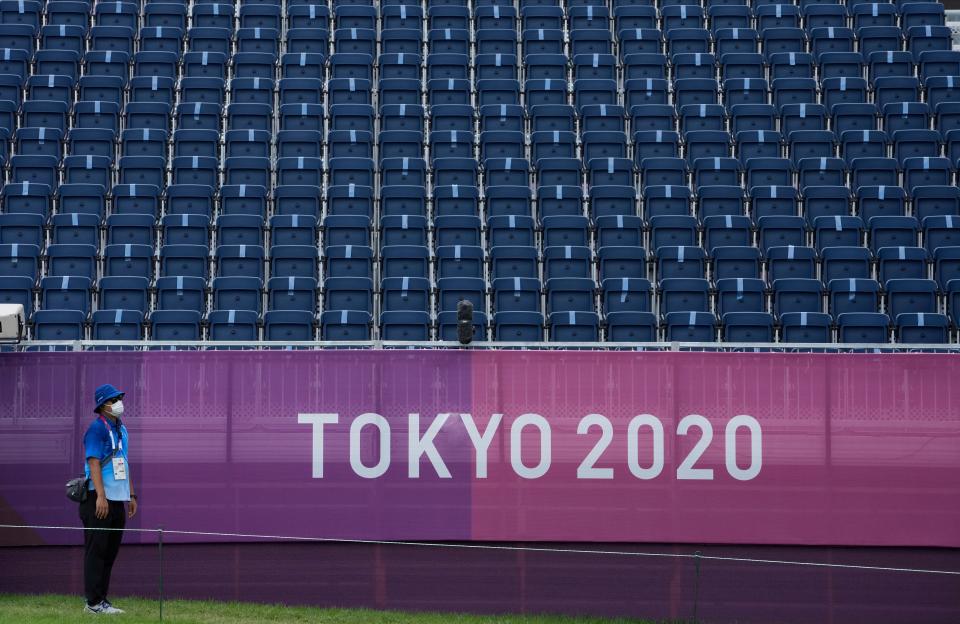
12	322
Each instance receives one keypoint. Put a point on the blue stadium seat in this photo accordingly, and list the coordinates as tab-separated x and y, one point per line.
452	290
409	326
863	328
872	14
927	171
142	142
797	295
845	263
901	263
210	35
736	262
910	296
564	294
922	328
17	290
349	261
747	327
405	294
518	326
790	65
233	325
22	228
185	229
405	261
88	169
292	294
58	325
294	261
175	325
772	200
66	293
684	295
893	232
921	39
837	231
304	39
293	230
38	141
348	293
345	325
863	144
805	327
666	200
874	172
160	89
853	295
237	293
73	260
905	116
447	326
780	231
256	143
620	262
117	324
574	326
680	261
40	170
888	63
185	261
124	293
625	294
136	199
631	327
690	326
288	326
76	228
128	260
929	201
740	295
189	199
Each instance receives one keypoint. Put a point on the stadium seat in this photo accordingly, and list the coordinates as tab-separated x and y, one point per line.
805	327
863	328
690	327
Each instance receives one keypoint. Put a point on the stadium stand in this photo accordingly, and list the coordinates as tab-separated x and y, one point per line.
582	171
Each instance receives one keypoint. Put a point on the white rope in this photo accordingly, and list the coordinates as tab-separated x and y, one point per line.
619	553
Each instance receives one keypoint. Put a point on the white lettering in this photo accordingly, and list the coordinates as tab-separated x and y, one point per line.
586	469
633	442
356	461
481	442
686	469
516	437
318	421
756	447
418	446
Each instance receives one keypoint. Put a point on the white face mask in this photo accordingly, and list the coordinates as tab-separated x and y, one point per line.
116	410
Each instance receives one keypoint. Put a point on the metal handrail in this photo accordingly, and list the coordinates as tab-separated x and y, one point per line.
85	345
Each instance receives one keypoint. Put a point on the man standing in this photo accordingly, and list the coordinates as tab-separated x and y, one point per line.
106	444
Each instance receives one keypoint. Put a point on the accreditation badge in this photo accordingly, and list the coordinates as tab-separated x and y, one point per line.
119	469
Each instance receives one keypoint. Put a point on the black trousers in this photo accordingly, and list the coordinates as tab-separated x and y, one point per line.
100	548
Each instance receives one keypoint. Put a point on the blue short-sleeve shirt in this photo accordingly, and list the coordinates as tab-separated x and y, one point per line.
97	444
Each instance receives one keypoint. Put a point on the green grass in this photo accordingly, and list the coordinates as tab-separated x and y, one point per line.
54	609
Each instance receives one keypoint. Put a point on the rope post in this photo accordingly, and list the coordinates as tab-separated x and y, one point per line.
160	557
696	584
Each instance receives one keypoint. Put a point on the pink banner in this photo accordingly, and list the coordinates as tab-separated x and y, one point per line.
748	448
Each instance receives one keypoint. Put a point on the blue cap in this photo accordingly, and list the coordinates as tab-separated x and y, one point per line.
103	394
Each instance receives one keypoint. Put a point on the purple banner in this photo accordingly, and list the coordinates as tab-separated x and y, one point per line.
750	448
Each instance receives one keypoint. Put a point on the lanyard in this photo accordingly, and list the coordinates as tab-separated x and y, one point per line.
113	442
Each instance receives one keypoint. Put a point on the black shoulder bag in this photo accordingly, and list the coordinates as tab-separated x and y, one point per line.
77	488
